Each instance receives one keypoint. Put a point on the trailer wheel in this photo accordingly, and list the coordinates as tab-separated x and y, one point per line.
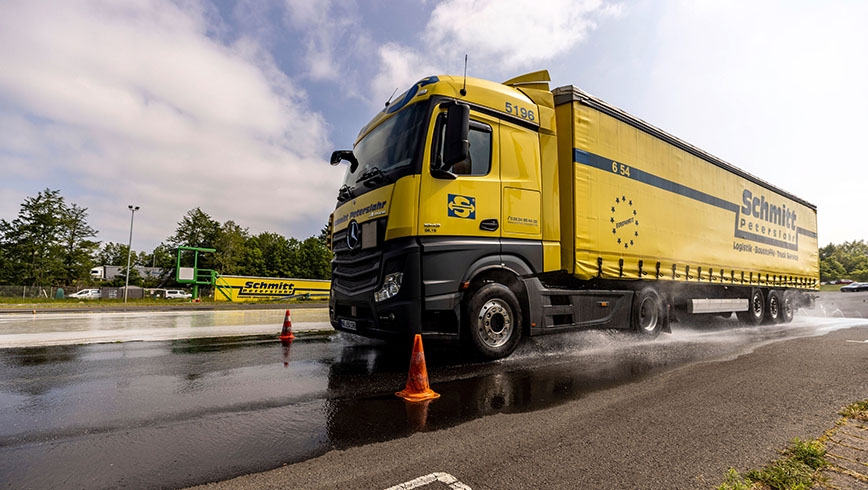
775	309
647	315
756	309
494	321
788	309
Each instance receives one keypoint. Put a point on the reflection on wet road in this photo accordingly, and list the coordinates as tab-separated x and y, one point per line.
26	330
172	413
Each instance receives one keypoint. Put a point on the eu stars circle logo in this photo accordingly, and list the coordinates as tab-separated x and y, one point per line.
624	220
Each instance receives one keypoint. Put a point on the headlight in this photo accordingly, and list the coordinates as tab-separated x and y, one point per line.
391	286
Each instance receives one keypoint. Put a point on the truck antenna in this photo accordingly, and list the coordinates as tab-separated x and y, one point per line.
464	88
390	97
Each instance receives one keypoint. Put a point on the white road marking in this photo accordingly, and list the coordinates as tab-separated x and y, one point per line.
422	481
859	341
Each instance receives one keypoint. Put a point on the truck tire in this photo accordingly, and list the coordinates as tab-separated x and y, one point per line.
647	317
494	321
756	309
774	307
789	307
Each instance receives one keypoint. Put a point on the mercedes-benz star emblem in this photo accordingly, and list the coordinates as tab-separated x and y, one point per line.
354	238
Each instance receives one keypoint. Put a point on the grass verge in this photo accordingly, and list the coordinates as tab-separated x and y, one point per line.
801	466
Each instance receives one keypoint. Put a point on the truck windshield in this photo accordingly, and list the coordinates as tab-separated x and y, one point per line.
388	149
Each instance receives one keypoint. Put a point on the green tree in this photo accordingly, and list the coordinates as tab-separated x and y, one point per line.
325	236
48	243
853	256
112	253
163	257
78	249
196	229
230	244
848	260
270	255
831	270
5	264
313	260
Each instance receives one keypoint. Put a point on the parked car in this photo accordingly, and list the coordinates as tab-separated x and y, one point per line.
855	287
177	294
86	294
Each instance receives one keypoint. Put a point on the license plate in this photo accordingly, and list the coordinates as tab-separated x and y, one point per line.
348	324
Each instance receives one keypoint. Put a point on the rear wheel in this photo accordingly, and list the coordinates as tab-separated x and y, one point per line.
494	321
775	310
647	317
756	309
789	308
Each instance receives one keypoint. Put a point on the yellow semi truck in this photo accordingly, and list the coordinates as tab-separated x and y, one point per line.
482	212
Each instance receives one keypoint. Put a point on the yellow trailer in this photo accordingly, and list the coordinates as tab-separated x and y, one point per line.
478	211
646	205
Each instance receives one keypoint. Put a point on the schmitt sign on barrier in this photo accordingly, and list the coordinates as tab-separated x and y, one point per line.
243	288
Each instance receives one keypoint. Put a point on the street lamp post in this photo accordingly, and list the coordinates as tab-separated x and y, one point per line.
133	210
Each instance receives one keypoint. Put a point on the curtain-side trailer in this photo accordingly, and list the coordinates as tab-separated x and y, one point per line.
484	212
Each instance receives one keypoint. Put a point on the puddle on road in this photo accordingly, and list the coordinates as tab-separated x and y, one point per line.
544	372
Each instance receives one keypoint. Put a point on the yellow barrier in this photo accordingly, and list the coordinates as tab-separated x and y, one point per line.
243	288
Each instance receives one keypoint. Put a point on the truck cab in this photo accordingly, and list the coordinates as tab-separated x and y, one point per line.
431	209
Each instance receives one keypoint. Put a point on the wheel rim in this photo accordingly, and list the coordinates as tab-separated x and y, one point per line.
648	315
757	305
774	307
788	308
494	323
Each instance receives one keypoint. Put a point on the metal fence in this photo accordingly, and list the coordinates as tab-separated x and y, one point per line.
26	292
51	292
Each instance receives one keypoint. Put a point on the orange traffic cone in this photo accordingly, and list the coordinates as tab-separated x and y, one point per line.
287	347
417	388
417	414
286	332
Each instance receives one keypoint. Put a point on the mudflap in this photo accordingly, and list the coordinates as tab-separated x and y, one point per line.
665	327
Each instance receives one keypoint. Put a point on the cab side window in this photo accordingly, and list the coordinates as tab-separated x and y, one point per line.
478	161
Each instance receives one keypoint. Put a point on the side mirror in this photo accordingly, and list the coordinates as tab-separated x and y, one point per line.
457	146
347	155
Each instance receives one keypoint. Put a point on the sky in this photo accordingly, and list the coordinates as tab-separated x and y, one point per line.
235	106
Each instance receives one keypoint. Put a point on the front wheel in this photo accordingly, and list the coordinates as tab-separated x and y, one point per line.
494	321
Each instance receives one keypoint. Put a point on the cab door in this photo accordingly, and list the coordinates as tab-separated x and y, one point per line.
464	201
459	211
520	178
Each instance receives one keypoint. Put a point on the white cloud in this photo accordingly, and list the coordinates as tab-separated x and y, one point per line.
501	38
147	109
314	19
400	67
512	35
331	36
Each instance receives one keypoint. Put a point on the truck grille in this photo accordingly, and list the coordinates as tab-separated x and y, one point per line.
354	271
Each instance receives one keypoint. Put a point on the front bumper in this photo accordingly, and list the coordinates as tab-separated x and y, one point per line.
351	305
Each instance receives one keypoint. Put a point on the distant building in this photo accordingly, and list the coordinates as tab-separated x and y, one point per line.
109	272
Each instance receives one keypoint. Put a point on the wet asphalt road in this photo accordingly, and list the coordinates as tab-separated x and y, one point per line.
592	406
